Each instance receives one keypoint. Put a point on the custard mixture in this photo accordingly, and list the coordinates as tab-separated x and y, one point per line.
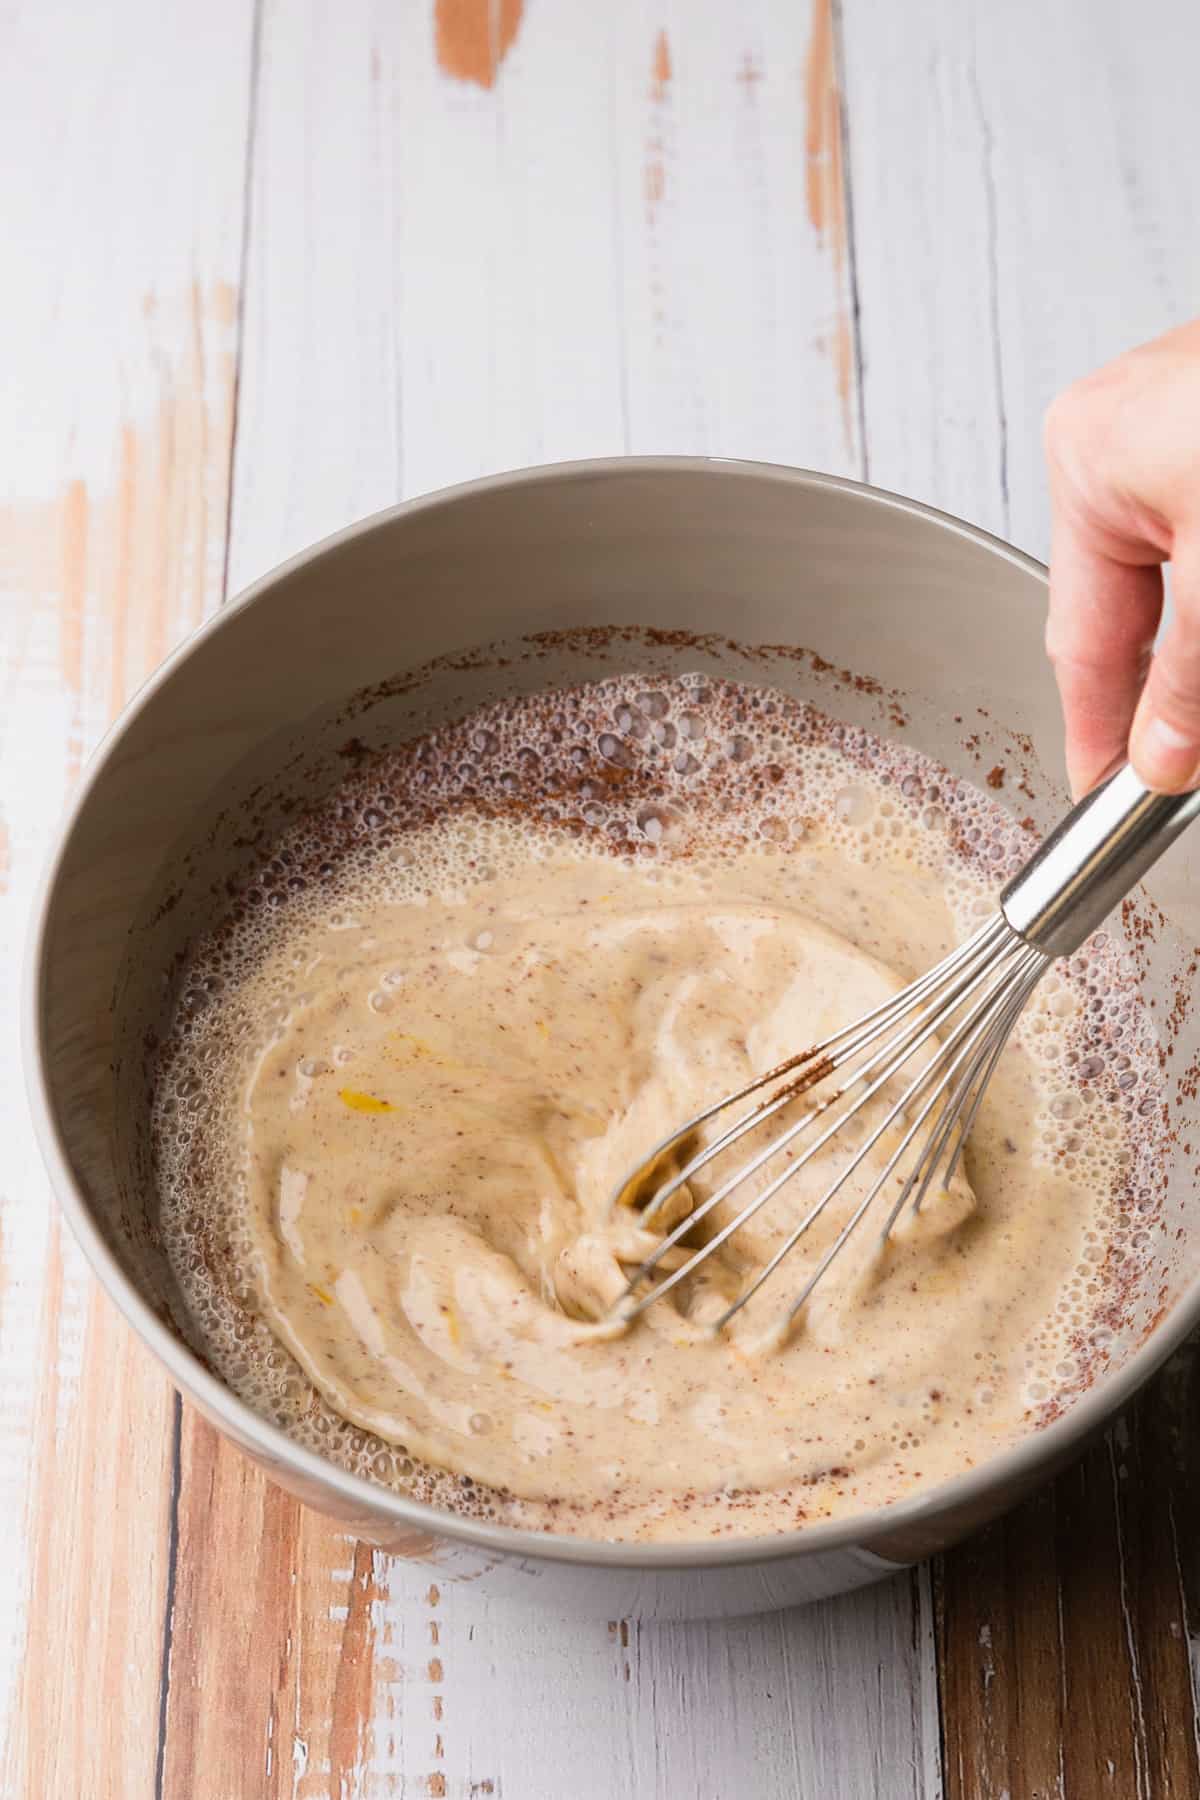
406	1082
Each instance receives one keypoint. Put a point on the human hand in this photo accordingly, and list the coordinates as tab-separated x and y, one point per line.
1123	451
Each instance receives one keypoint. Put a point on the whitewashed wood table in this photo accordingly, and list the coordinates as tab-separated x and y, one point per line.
269	267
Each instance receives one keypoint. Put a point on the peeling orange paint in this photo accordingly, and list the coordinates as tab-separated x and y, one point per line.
354	1686
472	37
223	303
114	565
122	571
826	193
662	71
74	584
63	1719
306	1623
654	175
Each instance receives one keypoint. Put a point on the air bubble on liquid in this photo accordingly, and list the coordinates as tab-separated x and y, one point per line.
614	751
853	805
654	705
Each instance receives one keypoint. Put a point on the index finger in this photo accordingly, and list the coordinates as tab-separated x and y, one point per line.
1104	614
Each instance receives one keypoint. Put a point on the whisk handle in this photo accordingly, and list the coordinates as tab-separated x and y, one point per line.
1092	860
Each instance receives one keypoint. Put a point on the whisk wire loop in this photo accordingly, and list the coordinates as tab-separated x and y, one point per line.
1067	887
987	961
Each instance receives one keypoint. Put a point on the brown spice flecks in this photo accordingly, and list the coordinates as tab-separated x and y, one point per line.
472	37
995	777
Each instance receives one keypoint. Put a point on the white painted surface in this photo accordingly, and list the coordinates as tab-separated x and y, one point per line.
122	141
441	280
1025	208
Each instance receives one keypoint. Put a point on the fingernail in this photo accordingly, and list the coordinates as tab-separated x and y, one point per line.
1166	757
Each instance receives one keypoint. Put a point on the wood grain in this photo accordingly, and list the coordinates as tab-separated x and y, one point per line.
276	271
1064	1629
272	1653
1017	221
124	230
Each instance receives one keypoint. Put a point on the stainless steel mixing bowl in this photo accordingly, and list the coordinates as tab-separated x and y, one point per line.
516	583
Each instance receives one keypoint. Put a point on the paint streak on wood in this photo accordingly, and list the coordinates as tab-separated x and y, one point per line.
123	569
98	1572
661	75
655	177
472	37
436	1670
298	1599
826	193
350	1729
74	584
1063	1631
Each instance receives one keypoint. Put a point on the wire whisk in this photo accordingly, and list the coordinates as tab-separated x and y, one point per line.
927	1055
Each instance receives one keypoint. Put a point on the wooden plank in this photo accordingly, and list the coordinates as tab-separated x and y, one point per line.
1064	1628
635	239
1016	222
128	127
273	1658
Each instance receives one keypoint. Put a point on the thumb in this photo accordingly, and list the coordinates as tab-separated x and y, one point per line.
1164	744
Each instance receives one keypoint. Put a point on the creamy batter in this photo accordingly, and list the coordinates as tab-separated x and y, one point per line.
446	1068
